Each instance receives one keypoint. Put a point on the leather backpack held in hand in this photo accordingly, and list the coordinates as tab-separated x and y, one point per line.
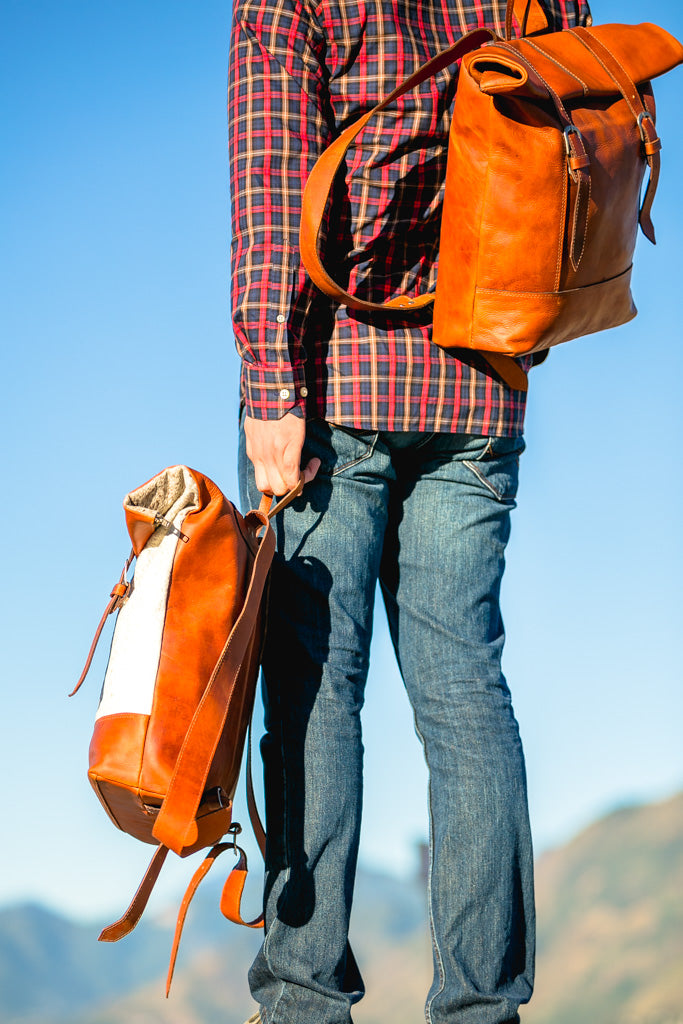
179	687
550	139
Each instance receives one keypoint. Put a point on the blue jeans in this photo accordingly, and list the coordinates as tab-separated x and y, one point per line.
427	515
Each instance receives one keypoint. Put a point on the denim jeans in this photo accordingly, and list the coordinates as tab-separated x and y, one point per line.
427	515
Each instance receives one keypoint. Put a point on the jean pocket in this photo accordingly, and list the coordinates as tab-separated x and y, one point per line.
338	448
496	469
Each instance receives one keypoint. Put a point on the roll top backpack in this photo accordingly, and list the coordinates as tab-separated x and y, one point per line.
550	139
178	692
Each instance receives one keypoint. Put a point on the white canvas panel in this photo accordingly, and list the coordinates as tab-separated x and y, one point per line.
136	645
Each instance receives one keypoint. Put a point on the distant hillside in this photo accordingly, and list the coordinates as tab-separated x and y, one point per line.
610	922
50	968
610	910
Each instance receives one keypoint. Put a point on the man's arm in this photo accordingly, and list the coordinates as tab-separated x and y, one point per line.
277	129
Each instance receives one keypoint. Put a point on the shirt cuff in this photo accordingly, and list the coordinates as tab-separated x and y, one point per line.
272	389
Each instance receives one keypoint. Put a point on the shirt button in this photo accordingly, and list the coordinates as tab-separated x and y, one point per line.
303	392
280	318
284	394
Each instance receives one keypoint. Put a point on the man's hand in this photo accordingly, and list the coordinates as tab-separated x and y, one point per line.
274	447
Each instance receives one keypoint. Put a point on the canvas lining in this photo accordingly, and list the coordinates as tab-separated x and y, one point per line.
171	494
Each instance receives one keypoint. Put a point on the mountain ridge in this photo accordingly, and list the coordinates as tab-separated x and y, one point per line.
610	944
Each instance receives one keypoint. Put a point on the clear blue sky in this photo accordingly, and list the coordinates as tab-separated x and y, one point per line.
118	360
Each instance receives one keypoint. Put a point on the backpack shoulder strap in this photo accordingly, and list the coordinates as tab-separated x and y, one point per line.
319	185
176	825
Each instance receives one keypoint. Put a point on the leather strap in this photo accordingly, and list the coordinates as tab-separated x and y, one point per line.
644	119
130	918
320	181
119	591
231	897
175	825
271	507
531	21
230	904
319	185
254	817
506	367
578	162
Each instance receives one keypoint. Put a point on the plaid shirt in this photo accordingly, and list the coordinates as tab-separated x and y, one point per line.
300	72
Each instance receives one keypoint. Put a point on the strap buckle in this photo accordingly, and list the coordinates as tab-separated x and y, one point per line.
645	115
577	158
569	130
234	831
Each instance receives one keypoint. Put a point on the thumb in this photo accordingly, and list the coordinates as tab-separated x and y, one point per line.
310	470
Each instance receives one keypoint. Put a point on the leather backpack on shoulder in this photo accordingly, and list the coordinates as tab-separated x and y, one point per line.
550	139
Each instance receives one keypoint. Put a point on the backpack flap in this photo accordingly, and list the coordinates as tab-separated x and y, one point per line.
562	61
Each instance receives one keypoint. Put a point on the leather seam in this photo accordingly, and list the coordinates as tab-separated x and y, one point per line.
611	75
559	64
566	291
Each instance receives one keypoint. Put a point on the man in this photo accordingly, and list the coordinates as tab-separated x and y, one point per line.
410	457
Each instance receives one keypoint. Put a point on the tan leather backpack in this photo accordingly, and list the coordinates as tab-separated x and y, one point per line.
550	138
178	692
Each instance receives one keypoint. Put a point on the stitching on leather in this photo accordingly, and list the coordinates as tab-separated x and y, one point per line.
551	92
576	214
563	291
611	74
559	63
560	233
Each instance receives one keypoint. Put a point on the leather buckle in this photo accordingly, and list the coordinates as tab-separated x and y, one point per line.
575	160
234	831
642	117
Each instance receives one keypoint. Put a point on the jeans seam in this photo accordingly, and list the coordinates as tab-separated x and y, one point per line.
354	462
482	479
425	440
432	927
266	943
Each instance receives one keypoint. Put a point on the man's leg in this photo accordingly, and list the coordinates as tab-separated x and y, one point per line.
315	666
441	574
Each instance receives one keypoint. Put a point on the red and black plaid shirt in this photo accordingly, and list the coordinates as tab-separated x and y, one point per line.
300	72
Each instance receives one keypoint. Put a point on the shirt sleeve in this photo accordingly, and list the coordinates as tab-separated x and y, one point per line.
277	129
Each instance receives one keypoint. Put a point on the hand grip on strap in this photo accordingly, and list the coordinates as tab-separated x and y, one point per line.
270	507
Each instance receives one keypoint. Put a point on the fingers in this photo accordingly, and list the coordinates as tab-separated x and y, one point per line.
274	447
311	470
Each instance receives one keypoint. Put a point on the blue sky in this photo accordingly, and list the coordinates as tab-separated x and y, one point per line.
118	360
